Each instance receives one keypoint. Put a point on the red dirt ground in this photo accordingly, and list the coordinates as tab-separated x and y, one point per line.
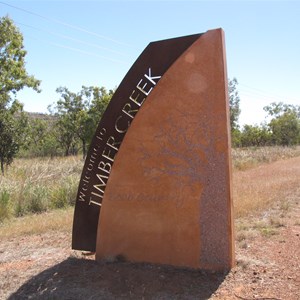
44	267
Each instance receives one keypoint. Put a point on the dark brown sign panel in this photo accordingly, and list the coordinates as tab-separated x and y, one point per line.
137	85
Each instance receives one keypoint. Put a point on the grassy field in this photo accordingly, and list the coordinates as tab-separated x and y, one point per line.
37	195
39	185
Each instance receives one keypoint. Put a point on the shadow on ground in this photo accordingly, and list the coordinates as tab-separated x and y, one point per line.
86	279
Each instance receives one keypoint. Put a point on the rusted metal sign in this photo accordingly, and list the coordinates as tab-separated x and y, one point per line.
168	199
133	91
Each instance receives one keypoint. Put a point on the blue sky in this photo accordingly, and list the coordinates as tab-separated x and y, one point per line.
75	43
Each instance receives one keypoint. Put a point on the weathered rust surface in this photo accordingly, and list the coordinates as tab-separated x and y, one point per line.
131	94
168	198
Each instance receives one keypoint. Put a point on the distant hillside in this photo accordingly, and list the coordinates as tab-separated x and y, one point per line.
42	116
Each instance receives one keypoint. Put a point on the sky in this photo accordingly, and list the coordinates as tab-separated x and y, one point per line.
94	43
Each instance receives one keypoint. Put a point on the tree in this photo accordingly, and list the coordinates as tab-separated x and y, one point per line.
234	104
41	138
78	116
97	98
12	133
254	135
284	124
67	110
13	78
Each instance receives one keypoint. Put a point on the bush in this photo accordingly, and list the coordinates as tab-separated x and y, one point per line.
36	200
65	194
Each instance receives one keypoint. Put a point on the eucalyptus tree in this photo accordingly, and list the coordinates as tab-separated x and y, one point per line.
284	124
67	110
97	99
78	115
234	103
13	78
235	111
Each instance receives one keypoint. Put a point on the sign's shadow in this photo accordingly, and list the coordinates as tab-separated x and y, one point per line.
87	279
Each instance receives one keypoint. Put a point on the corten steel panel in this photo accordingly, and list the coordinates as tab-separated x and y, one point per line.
168	199
157	57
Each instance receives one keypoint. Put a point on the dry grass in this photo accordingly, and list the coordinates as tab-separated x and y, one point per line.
33	189
256	189
246	158
38	185
54	182
41	170
38	223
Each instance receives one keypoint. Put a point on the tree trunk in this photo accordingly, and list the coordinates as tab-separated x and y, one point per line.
67	151
2	166
83	149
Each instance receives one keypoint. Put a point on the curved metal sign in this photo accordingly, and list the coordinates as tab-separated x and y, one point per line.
125	104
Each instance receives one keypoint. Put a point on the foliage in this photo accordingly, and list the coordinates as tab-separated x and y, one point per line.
254	135
13	78
78	115
236	135
67	111
234	104
12	132
282	128
41	138
284	124
98	99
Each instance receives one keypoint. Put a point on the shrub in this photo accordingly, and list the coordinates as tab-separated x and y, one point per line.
64	194
36	200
